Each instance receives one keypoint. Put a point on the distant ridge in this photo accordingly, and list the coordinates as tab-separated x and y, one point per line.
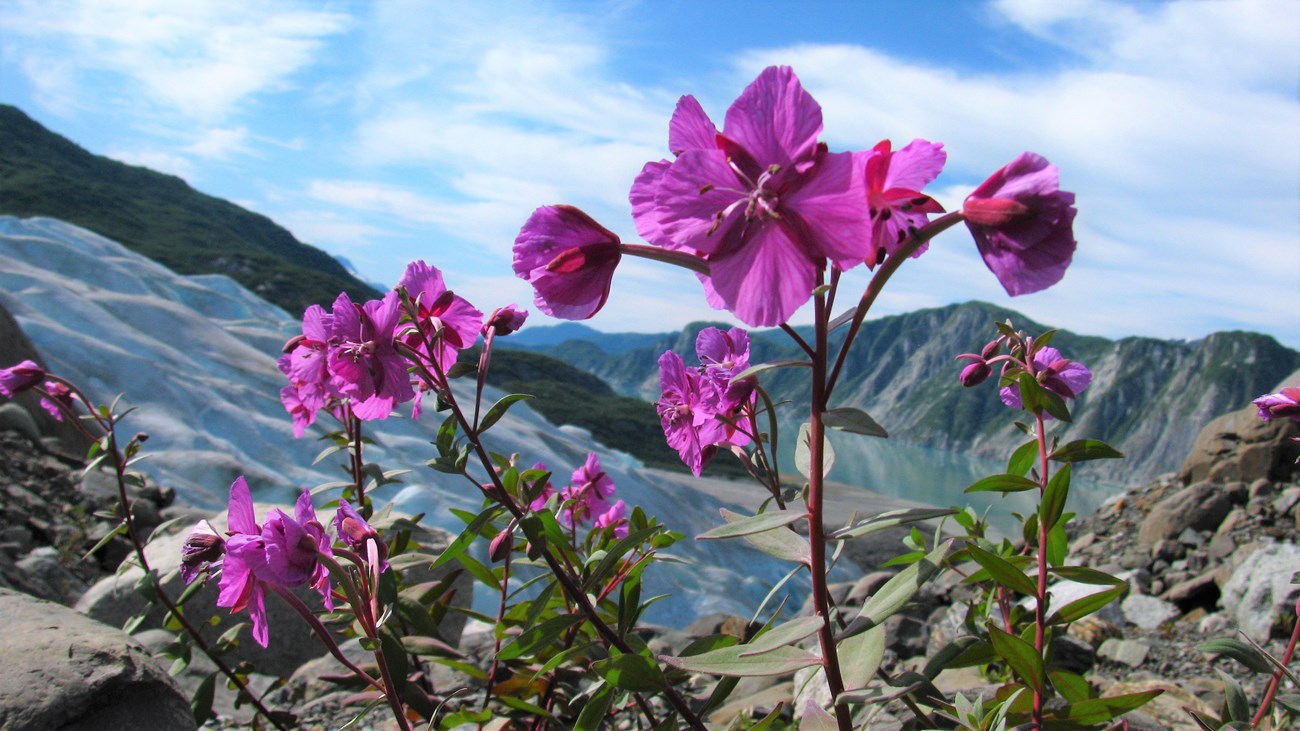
162	217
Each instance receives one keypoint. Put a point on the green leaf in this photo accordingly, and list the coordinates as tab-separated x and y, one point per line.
201	703
1073	688
1020	655
803	452
1058	545
467	536
1237	704
1023	459
636	673
890	519
767	721
616	552
749	525
499	409
596	709
787	634
1101	710
1003	571
1083	450
756	369
1239	651
1053	504
1003	483
1085	575
853	421
1080	608
860	657
534	638
783	544
423	645
728	661
815	718
1038	400
898	590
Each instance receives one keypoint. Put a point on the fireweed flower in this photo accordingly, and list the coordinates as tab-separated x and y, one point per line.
57	399
1065	378
588	490
1284	403
283	552
569	259
764	201
545	493
203	548
450	321
365	364
688	412
723	356
894	199
20	377
616	518
504	321
355	531
1023	224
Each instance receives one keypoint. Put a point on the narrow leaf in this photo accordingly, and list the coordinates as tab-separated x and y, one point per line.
1058	489
898	590
1084	450
1239	651
1080	608
728	661
499	409
860	657
1022	460
466	537
854	421
803	452
780	543
757	369
636	673
1073	688
1003	571
1235	698
1020	655
534	638
1101	710
787	634
890	519
815	718
1085	575
596	709
1003	483
750	525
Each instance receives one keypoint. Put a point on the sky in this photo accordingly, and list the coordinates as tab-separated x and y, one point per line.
384	132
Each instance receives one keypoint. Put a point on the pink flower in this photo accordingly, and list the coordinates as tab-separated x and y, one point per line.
1284	403
282	552
688	412
57	400
203	548
545	493
616	518
505	320
723	356
764	201
569	259
1065	378
447	318
587	491
894	181
355	531
21	377
1023	224
363	360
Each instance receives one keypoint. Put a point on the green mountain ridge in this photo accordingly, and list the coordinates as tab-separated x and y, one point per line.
162	217
1149	397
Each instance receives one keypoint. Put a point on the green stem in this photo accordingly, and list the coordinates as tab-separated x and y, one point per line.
1040	600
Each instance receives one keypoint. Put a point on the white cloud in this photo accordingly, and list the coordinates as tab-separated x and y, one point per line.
220	144
198	59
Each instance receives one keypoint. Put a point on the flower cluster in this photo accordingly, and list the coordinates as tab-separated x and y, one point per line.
284	551
701	407
762	208
26	375
1065	378
353	353
586	498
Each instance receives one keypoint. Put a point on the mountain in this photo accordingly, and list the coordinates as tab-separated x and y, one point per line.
162	217
547	336
1149	397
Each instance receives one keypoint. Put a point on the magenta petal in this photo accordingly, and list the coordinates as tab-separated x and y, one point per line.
699	201
831	210
774	119
691	128
257	613
20	377
569	259
642	198
916	165
303	510
241	517
765	281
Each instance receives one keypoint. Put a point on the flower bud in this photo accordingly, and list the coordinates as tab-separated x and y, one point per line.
505	320
20	377
991	349
975	373
202	547
501	546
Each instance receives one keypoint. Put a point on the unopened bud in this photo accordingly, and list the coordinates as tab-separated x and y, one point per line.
140	437
505	320
292	342
991	349
975	373
501	545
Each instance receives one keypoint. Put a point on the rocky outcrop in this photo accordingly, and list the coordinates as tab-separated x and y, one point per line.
62	670
1241	447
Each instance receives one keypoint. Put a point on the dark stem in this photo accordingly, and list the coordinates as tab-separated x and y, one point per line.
1040	601
1277	675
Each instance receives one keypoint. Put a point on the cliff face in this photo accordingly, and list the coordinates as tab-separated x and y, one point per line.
1149	397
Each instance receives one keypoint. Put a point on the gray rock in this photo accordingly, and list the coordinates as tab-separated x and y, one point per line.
17	419
1260	591
1241	446
1072	654
1202	506
61	670
1261	488
1126	652
114	601
1148	612
47	578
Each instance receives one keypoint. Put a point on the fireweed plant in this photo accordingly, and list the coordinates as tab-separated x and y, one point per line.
767	218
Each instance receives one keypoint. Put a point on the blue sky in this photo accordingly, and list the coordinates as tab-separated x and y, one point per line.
390	131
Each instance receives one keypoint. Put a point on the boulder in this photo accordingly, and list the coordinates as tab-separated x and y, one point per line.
1202	506
114	600
62	670
1259	592
1240	446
